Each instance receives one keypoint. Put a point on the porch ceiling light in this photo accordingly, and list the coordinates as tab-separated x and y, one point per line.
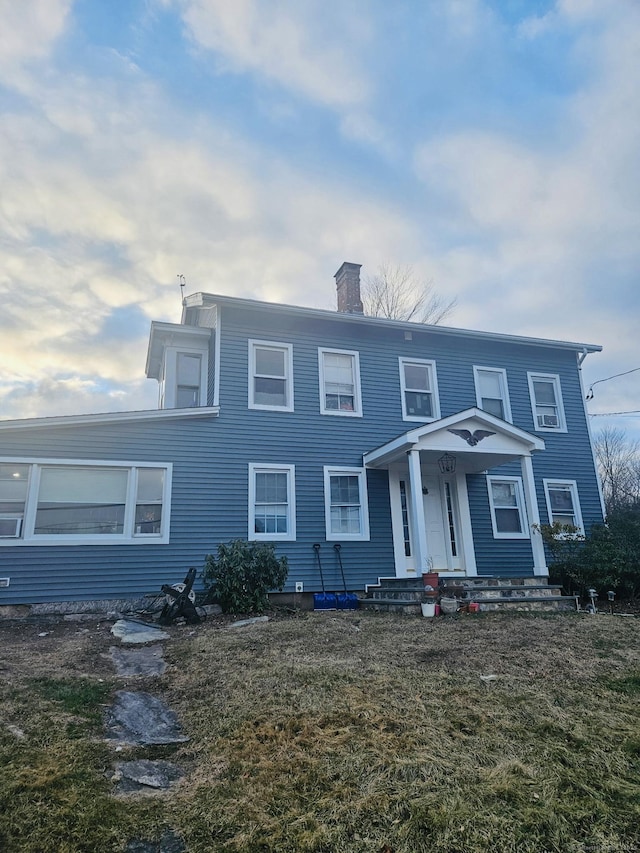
447	464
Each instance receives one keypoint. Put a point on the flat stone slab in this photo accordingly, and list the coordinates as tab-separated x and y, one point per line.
139	719
244	622
147	661
145	775
136	632
169	843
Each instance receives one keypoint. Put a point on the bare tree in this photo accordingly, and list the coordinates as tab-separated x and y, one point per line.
394	292
618	460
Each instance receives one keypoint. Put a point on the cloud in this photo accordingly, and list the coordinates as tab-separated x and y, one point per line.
309	47
29	29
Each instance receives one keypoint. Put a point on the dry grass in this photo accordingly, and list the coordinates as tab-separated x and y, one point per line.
345	732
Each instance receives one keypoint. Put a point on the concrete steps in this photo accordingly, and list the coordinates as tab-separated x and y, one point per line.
404	595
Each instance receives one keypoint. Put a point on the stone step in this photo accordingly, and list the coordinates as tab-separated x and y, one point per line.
406	607
481	592
529	602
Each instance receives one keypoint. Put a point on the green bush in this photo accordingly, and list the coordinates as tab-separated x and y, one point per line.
608	558
243	574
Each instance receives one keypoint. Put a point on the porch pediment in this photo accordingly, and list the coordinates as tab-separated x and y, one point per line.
478	439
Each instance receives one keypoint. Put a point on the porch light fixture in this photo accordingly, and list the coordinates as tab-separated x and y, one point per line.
447	464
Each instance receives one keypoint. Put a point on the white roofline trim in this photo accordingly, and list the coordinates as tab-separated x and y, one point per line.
201	299
409	439
111	417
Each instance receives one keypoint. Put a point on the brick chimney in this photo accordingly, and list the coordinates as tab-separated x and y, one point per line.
348	286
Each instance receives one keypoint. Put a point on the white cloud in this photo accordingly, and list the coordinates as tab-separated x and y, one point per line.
29	29
308	47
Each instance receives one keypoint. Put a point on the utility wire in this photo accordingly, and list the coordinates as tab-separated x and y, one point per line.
615	376
612	414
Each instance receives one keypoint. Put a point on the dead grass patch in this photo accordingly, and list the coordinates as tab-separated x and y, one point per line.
348	732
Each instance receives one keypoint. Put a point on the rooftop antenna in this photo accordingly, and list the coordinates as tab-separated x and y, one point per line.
182	280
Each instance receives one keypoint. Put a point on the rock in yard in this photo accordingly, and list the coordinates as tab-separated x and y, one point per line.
244	622
135	632
139	719
169	843
132	662
144	774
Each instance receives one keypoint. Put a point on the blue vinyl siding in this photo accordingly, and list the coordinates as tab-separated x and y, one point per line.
211	458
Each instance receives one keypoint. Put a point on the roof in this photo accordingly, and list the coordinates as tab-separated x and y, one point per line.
203	300
109	417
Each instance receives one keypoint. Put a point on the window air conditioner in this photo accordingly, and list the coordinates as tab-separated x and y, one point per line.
547	420
10	527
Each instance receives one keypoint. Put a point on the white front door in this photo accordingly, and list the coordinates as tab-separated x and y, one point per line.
442	522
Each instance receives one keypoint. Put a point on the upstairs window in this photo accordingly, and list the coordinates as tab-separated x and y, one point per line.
272	513
339	383
270	376
563	506
189	371
419	390
506	501
83	502
546	402
346	508
492	393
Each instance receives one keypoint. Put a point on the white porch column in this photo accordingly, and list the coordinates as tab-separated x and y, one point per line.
531	501
418	522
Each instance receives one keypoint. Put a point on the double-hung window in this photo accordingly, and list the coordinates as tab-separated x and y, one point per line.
546	402
506	501
188	379
339	382
270	376
419	388
272	508
563	506
57	502
346	506
492	392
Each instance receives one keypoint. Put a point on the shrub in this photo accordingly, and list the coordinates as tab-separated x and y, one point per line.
243	574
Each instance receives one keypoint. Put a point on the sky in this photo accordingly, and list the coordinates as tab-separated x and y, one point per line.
252	146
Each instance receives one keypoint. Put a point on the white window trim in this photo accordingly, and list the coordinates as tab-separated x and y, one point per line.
520	505
548	377
288	374
290	471
502	373
572	484
169	375
364	535
357	397
430	363
29	538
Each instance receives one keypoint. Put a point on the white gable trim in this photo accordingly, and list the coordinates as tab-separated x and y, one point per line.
111	417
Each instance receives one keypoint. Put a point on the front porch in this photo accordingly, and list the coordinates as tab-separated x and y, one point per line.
428	467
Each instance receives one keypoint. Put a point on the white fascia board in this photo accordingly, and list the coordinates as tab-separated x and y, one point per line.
110	417
202	299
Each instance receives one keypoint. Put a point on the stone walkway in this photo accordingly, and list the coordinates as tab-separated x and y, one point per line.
139	719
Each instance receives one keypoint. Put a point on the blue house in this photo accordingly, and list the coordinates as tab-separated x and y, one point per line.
415	447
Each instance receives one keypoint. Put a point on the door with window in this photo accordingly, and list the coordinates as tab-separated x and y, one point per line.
442	521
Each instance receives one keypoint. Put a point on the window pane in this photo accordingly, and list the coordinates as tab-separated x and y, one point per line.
345	519
561	499
150	484
270	392
271	487
13	487
544	392
416	377
270	362
271	518
187	397
81	501
508	521
417	404
345	490
490	384
493	407
148	518
188	369
504	494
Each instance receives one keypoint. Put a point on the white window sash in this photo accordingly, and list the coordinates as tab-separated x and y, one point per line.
430	366
287	351
324	382
572	487
339	471
520	507
544	421
501	375
290	471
